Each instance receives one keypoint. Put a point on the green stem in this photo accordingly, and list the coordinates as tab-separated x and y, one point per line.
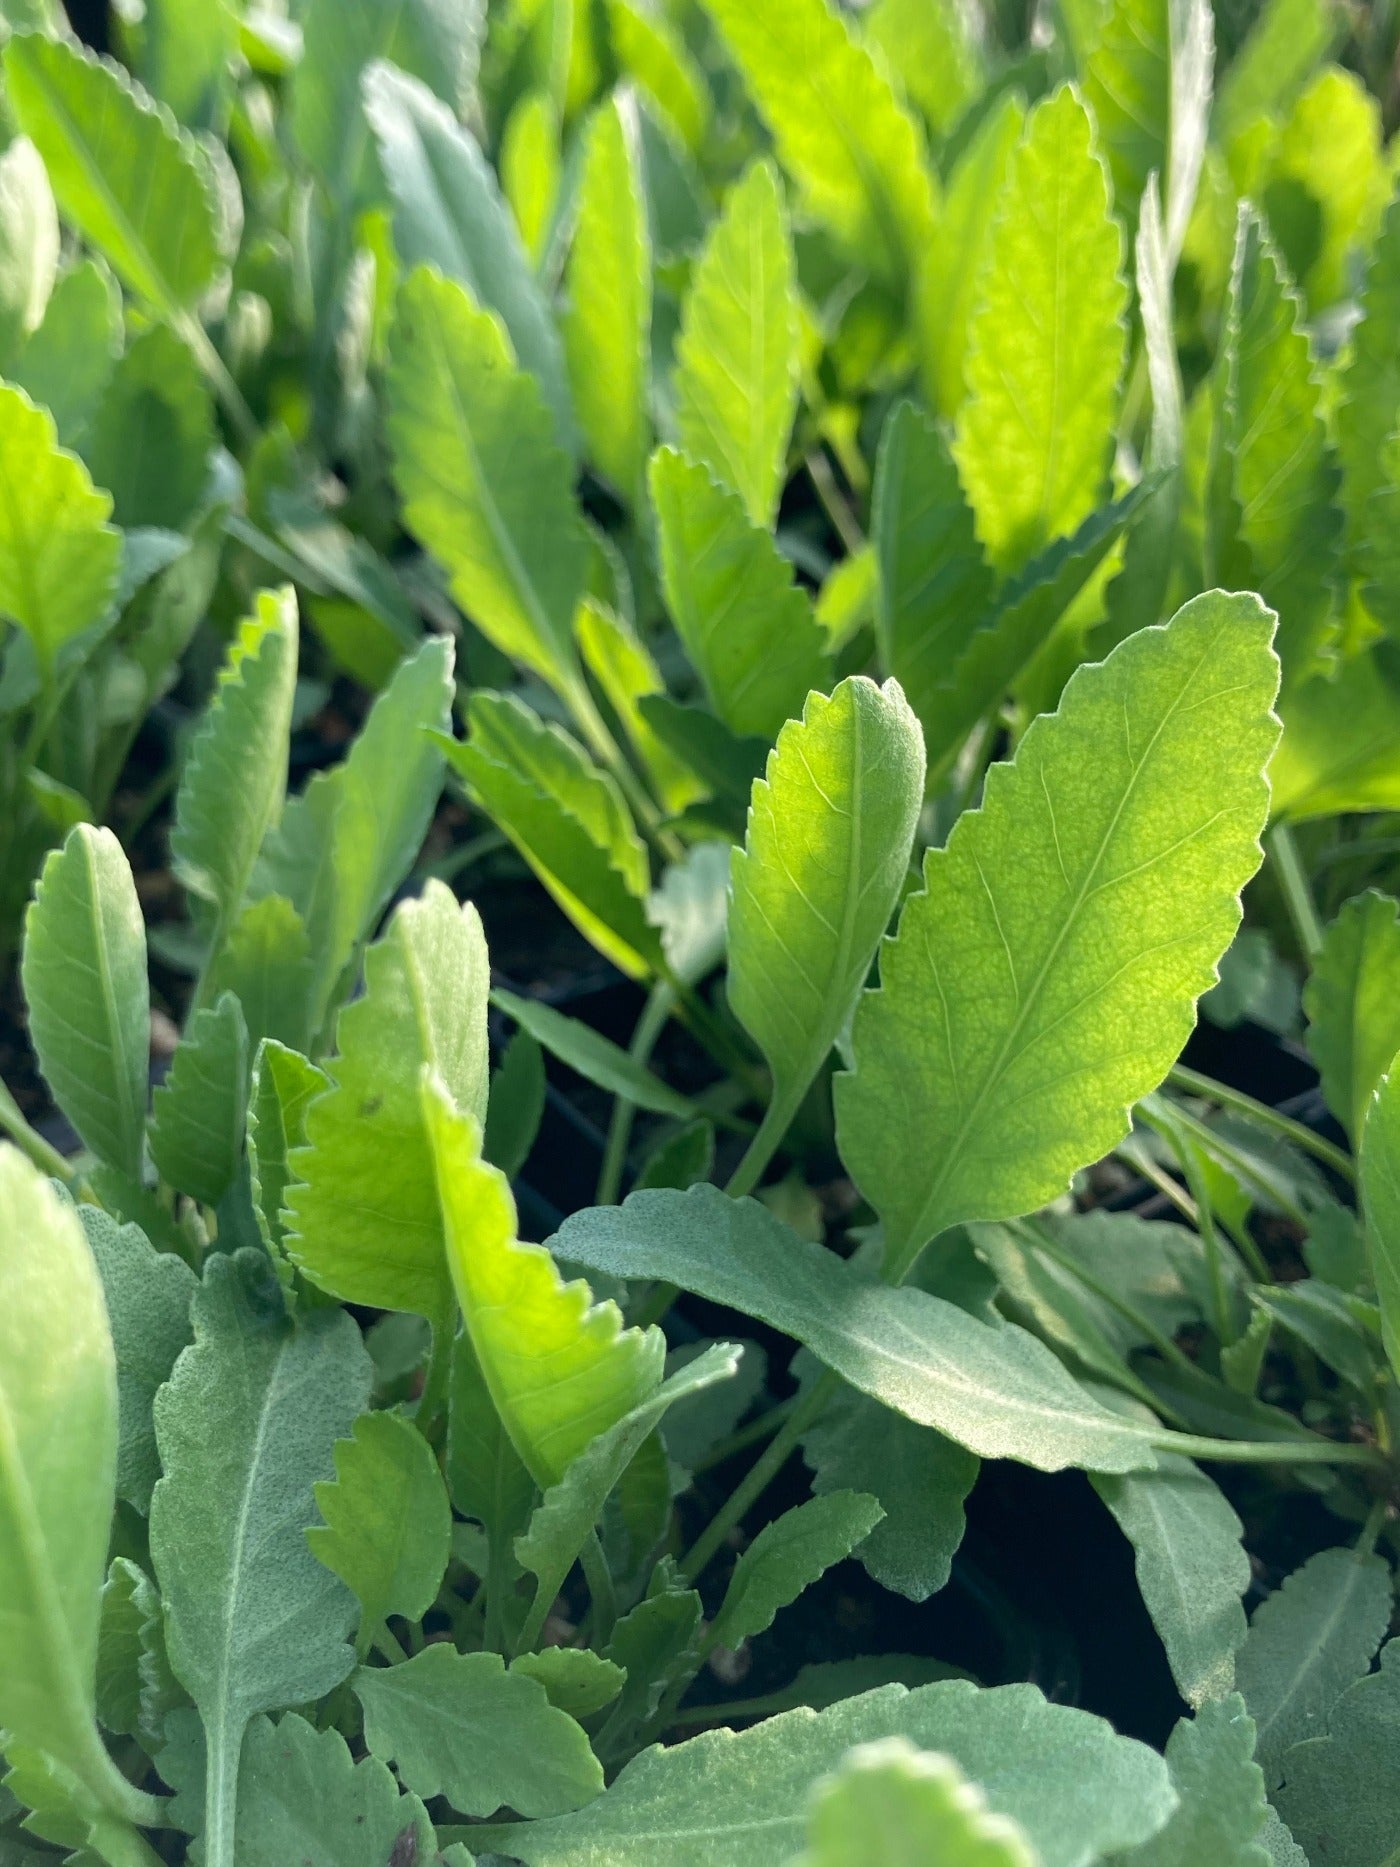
29	1141
595	730
220	1794
762	1147
384	1643
757	1430
1293	881
1314	1451
833	502
1297	1132
433	1402
600	1589
649	1028
227	390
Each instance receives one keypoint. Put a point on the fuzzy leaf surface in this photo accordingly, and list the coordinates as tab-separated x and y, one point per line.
787	1556
199	1111
1222	1812
1352	999
1341	1792
888	1801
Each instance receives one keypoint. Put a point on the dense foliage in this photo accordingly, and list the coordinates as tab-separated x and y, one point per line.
865	544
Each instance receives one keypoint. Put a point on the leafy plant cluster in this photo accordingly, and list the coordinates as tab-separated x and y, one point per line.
883	516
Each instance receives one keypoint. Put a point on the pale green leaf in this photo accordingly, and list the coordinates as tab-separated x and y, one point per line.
1340	749
129	1602
735	382
691	908
459	1725
84	975
830	830
198	1112
448	213
186	52
576	1680
1222	1809
653	54
153	433
1191	1569
931	47
1341	1792
559	1369
69	360
1306	1644
995	1390
1328	181
1192	80
889	1802
138	188
362	1214
594	1056
246	1425
283	1085
1380	1198
787	1556
484	485
302	1798
1046	343
727	1800
854	150
1368	410
623	667
1046	976
387	1523
148	1295
1352	1000
530	163
1289	39
29	245
266	963
747	626
59	556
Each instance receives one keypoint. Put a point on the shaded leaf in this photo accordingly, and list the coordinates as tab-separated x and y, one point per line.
153	433
1380	1201
198	1113
787	1556
266	964
1222	1809
515	1106
69	360
593	1056
283	1085
1352	999
1341	1792
1341	741
577	1681
303	1799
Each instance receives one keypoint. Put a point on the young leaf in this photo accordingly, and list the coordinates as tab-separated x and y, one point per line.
199	1111
653	53
530	166
623	667
362	1214
137	187
787	1556
59	557
1046	344
448	213
935	53
856	153
1077	1789
746	625
1190	1568
1353	1004
607	327
1380	1199
812	891
1341	1792
484	484
153	433
559	1369
29	245
1124	63
303	1799
68	362
129	1602
735	381
1047	975
388	1525
282	1087
1306	1644
889	1801
593	1056
1222	1811
577	1681
997	1391
148	1295
459	1725
84	974
1287	42
266	964
246	1425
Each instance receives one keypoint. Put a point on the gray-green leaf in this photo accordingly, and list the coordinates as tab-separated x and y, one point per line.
787	1556
199	1111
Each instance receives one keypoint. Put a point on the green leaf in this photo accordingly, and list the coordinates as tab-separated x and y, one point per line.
653	53
1380	1200
58	1460
594	1057
459	1725
59	557
153	433
69	360
362	1216
303	1799
889	1801
135	185
747	626
246	1425
388	1524
1288	40
568	819
1046	343
1046	977
1307	1643
448	213
1222	1809
129	1602
654	1642
84	975
198	1113
787	1556
1341	1793
1353	1004
607	326
484	484
917	1476
29	245
485	1474
185	56
830	831
283	1085
559	1369
530	163
148	1295
1368	411
1338	751
934	52
623	667
997	1391
854	150
735	381
727	1800
1273	522
577	1681
266	963
515	1106
1190	1567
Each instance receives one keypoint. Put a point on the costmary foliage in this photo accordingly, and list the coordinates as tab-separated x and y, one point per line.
880	521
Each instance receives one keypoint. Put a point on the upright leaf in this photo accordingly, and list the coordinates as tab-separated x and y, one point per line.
483	482
68	362
889	1801
530	166
933	50
283	1085
735	381
812	891
1341	1793
787	1556
84	975
246	1425
1353	1004
854	150
746	625
653	53
153	433
1222	1811
198	1113
1380	1198
1340	739
1047	343
559	1369
1368	412
28	245
138	188
1046	977
303	1798
266	964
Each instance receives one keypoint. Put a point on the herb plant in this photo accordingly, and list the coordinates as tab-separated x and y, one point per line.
871	532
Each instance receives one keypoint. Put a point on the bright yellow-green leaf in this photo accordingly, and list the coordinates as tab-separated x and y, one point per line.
654	55
623	667
930	48
1341	740
530	167
1331	153
891	1802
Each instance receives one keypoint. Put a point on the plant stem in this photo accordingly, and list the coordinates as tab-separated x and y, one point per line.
833	502
649	1028
739	1441
761	1148
600	1588
595	730
1313	1451
29	1141
433	1400
1297	895
1295	1131
227	390
220	1793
